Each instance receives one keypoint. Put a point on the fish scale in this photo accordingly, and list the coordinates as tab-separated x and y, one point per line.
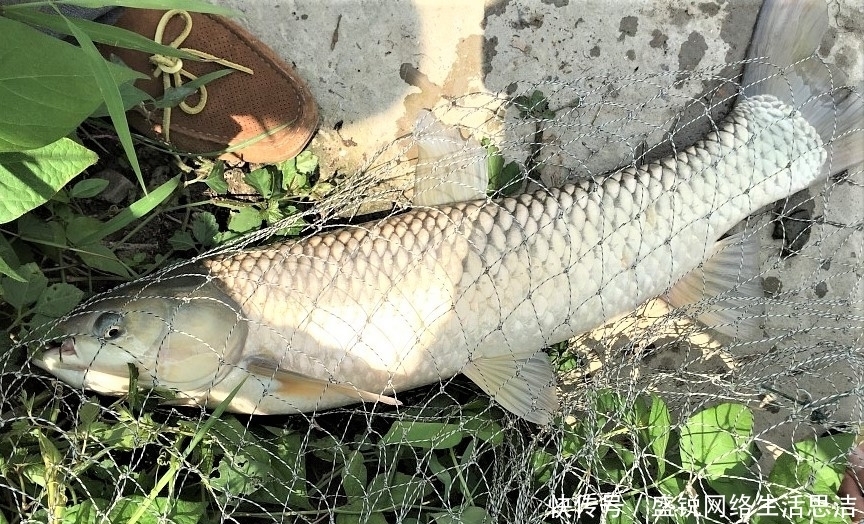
404	301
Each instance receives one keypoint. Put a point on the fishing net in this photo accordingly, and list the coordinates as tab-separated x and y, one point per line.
661	418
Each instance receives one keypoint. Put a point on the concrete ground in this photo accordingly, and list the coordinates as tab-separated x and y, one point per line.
373	64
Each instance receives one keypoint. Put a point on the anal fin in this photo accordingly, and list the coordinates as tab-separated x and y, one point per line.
728	283
523	384
298	385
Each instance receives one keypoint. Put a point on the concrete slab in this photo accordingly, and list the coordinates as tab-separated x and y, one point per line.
373	64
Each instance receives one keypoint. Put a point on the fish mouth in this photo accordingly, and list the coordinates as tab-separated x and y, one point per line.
66	348
59	355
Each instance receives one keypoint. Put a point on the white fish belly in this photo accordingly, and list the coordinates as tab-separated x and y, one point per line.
411	299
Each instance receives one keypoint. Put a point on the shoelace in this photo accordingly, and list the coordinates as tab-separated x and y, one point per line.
171	70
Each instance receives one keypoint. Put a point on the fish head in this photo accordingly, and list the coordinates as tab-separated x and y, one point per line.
180	335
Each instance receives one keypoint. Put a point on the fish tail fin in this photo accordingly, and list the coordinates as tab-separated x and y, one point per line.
782	62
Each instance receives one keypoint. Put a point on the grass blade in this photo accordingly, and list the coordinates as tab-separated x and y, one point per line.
199	6
135	211
111	95
102	33
175	95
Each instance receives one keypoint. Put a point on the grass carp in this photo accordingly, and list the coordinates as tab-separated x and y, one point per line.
480	286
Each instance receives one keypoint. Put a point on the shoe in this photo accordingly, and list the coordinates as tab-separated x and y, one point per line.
262	112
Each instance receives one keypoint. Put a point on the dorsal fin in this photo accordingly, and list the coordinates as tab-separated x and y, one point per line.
449	168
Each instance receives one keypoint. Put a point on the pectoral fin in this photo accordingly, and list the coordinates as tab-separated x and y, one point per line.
298	385
449	168
523	384
728	282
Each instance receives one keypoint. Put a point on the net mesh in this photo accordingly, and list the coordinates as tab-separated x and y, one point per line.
661	419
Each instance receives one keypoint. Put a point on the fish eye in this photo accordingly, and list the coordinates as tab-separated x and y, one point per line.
108	326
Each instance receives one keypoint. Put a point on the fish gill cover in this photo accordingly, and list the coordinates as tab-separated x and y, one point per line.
701	309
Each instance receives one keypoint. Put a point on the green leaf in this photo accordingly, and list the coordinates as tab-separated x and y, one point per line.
205	228
8	253
160	509
90	511
306	162
216	179
61	197
131	97
354	476
273	213
485	429
738	481
88	188
542	466
616	464
245	219
424	435
288	168
671	486
441	473
817	464
82	227
387	491
494	162
227	433
46	92
717	439
136	210
58	299
506	179
87	414
124	436
100	257
607	405
20	294
181	241
536	106
9	261
28	179
6	269
241	473
296	171
261	180
36	230
659	428
226	236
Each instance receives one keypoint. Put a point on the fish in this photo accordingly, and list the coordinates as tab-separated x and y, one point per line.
466	284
